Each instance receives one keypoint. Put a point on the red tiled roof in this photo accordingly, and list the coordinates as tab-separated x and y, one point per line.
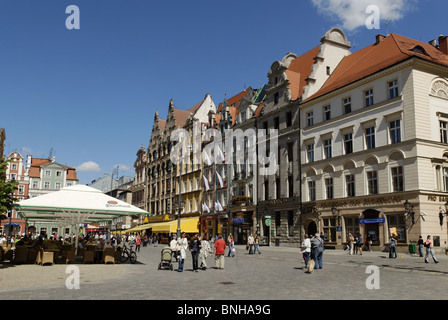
298	71
376	57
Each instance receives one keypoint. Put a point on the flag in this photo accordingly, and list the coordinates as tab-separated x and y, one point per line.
223	159
220	208
206	183
205	208
220	180
207	158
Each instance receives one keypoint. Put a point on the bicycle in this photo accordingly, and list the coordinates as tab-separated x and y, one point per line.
128	254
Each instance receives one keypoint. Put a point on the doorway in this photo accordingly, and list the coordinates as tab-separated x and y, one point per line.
312	228
372	229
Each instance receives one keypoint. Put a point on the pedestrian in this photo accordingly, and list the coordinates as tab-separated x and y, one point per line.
220	247
231	243
174	248
429	250
204	252
351	242
317	246
360	243
305	249
392	247
183	247
355	244
369	242
250	241
420	244
257	244
195	246
137	243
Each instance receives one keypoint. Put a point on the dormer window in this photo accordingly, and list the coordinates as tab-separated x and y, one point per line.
419	49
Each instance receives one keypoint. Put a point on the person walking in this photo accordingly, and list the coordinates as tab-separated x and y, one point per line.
392	247
351	242
195	246
360	243
183	247
204	252
305	248
421	245
174	248
231	243
317	246
369	242
429	250
220	247
257	244
137	243
250	241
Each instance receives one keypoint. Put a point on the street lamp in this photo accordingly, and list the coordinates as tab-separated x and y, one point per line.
335	212
13	180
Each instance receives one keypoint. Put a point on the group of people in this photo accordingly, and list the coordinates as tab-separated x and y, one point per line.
200	250
313	248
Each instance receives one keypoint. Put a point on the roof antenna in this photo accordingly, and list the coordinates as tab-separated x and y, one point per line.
388	21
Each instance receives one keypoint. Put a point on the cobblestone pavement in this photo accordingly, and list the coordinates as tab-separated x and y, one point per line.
275	274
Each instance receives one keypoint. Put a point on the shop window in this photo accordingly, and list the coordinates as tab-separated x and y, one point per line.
329	229
397	227
352	225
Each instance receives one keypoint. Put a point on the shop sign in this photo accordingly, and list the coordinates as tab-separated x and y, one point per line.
238	220
267	222
371	221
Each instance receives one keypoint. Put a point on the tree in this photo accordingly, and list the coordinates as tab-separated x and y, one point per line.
7	189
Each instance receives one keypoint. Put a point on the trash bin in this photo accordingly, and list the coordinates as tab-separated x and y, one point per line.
412	248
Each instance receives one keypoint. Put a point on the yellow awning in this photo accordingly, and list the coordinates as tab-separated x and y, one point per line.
187	225
141	227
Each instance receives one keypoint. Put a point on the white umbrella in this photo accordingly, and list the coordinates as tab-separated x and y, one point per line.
75	205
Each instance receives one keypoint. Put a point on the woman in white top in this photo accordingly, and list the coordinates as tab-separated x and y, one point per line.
183	248
306	249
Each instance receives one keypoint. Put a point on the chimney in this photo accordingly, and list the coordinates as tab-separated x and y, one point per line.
443	44
433	43
379	38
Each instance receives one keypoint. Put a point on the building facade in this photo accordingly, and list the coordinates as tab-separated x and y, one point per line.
373	140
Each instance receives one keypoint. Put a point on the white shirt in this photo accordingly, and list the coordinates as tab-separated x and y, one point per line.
306	245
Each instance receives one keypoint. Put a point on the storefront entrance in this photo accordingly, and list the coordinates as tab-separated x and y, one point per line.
371	227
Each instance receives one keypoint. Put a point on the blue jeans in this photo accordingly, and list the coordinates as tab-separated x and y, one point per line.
181	264
318	253
420	250
306	258
392	252
230	250
430	251
257	248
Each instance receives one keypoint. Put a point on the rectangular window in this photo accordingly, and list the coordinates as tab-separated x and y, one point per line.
445	179
276	123
372	182
310	118
370	138
58	173
35	184
397	179
47	173
347	105
398	222
368	98
288	119
395	131
348	143
266	190
58	185
329	188
393	89
276	98
327	149
14	166
312	190
310	152
291	223
350	185
327	113
443	132
290	187
277	188
47	185
277	224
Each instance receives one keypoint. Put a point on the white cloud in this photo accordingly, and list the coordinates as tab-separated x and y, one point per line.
89	166
352	13
122	167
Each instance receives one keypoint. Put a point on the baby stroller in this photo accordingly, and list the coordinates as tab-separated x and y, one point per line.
165	262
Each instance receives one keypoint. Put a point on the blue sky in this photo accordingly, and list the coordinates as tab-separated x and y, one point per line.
90	94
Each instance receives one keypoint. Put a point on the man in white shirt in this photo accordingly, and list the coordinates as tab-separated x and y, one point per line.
174	247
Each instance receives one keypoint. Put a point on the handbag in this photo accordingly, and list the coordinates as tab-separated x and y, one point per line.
247	246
